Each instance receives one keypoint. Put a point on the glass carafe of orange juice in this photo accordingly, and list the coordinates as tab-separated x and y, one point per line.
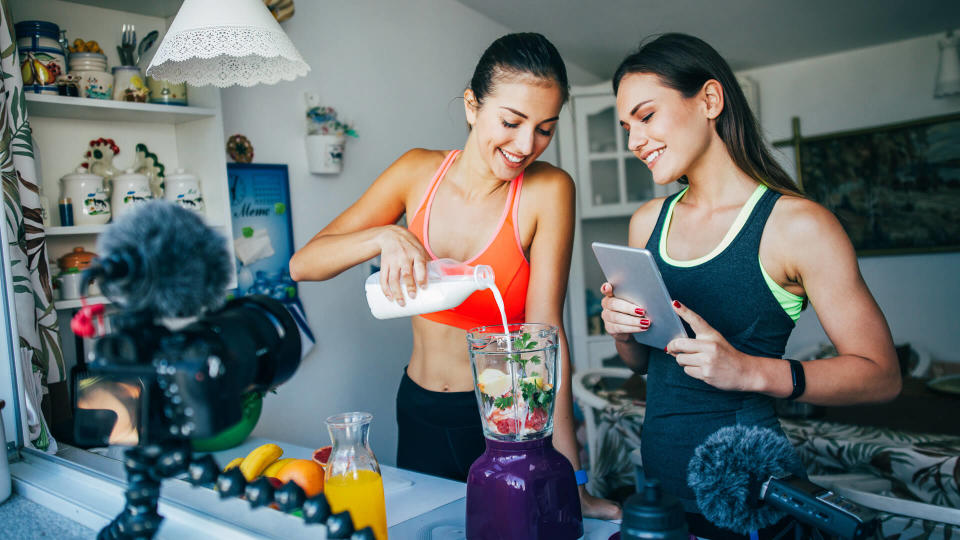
352	480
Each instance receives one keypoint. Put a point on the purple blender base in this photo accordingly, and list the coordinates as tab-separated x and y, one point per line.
522	491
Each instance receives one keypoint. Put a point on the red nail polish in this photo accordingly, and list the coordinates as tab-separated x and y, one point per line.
640	311
665	350
676	304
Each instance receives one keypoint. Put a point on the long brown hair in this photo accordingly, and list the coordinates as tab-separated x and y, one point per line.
685	63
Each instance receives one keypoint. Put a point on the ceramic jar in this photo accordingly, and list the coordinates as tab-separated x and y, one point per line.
91	70
69	284
79	258
166	92
128	84
129	189
183	188
95	84
88	61
41	56
87	196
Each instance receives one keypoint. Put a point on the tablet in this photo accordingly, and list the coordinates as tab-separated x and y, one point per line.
636	279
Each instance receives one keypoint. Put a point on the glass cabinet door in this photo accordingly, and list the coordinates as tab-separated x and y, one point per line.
611	180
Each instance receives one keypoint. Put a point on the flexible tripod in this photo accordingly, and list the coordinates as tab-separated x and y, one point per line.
146	468
148	465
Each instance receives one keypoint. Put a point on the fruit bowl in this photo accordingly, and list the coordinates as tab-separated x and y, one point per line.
237	433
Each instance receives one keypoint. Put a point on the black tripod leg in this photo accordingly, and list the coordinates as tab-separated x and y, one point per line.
139	518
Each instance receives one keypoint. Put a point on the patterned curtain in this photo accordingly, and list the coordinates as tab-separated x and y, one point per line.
40	361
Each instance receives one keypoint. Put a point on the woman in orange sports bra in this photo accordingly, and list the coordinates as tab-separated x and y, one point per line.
491	203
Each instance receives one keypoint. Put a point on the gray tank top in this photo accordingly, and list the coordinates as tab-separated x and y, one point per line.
729	291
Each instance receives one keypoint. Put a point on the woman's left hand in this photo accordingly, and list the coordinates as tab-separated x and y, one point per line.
709	357
595	507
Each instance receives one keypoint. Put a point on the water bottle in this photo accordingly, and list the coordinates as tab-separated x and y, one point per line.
653	515
449	283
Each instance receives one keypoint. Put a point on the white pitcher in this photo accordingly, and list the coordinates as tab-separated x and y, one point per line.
87	196
129	188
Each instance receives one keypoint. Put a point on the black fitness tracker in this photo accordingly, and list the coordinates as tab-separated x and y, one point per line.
799	379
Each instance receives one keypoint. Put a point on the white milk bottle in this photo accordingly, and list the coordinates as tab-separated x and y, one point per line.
449	283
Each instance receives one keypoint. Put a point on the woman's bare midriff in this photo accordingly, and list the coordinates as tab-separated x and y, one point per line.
440	361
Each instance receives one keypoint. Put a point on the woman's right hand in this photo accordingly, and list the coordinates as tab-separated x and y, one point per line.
622	319
403	263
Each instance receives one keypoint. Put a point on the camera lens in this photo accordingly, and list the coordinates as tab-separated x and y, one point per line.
260	341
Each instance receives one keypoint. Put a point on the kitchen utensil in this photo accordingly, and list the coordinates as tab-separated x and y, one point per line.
88	197
128	44
129	188
183	188
146	43
521	487
352	478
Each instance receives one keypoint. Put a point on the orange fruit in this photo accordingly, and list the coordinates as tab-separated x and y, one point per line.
305	473
322	455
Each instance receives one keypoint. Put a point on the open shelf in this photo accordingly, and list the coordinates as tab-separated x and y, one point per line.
76	230
108	110
153	8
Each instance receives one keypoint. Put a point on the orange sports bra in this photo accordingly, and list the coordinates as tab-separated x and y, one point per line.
504	253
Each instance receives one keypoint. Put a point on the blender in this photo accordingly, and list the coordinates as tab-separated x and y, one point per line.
521	487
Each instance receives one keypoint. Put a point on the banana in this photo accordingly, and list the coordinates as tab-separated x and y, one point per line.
275	467
259	459
235	462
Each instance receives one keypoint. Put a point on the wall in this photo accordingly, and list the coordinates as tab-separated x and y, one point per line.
397	71
861	88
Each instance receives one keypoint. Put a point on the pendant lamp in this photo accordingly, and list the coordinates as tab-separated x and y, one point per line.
226	43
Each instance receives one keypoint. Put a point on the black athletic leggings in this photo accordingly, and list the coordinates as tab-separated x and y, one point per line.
439	433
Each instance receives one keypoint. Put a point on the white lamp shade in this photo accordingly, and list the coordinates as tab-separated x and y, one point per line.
226	43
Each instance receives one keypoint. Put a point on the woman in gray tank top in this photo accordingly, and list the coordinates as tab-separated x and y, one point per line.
741	251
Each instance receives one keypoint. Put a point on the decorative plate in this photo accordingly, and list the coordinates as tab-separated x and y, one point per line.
240	149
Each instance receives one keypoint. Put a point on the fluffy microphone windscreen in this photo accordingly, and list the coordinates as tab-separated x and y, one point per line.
726	473
178	265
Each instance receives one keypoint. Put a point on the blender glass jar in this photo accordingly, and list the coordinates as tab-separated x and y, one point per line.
515	378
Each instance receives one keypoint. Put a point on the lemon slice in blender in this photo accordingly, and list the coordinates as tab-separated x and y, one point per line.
493	382
538	381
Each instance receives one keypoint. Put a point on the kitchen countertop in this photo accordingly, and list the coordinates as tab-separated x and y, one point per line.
418	505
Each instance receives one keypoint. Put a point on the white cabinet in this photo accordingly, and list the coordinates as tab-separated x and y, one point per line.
189	137
612	183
